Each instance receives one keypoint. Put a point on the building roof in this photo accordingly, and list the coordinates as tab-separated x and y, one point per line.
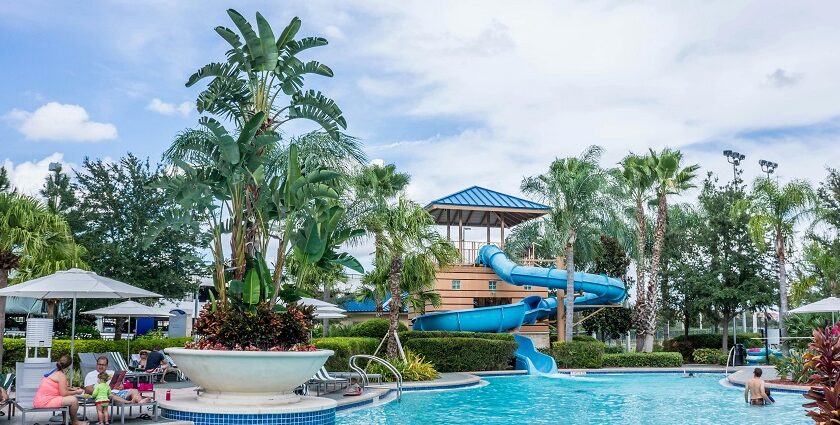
478	206
368	306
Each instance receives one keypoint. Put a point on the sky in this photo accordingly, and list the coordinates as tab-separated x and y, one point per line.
454	93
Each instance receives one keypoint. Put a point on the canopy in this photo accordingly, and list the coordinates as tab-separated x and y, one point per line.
329	315
827	305
128	309
322	307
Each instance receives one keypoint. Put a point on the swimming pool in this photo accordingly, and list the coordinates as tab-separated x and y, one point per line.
595	399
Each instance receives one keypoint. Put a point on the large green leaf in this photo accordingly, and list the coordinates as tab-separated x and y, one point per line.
269	48
227	146
252	42
252	287
288	33
347	260
214	69
229	36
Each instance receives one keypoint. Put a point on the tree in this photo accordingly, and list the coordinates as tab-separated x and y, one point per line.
28	231
774	212
59	193
410	252
615	322
577	189
669	179
738	277
5	183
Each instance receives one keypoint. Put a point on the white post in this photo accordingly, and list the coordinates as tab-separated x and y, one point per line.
755	323
744	321
701	321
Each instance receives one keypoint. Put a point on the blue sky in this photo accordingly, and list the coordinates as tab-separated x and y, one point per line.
456	93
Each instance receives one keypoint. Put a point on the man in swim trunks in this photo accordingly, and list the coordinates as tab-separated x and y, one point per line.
754	392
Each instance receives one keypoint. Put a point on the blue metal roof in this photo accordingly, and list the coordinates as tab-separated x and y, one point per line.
477	196
368	306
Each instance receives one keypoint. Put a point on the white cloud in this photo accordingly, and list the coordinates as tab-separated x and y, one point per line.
61	122
28	177
165	108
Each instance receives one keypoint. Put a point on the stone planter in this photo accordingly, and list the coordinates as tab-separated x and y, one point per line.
248	378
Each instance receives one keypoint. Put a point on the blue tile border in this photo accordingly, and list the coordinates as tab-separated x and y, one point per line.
321	417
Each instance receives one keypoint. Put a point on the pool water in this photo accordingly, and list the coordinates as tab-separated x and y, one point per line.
649	399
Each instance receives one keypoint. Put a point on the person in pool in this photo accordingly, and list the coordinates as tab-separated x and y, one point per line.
754	392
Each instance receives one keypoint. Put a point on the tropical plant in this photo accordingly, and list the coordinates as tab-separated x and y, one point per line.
30	233
637	180
409	253
824	358
413	368
794	366
669	178
774	211
577	189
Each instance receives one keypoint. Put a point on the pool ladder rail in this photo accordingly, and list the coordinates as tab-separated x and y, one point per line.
731	355
355	368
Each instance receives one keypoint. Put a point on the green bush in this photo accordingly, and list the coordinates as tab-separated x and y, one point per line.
793	366
613	349
584	338
405	336
686	346
373	328
415	368
344	347
663	359
463	354
14	349
578	354
708	356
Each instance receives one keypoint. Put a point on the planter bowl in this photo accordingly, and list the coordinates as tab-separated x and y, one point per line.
248	378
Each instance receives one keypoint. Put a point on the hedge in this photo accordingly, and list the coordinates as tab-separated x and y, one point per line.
344	347
663	359
374	328
463	354
686	346
708	356
405	336
15	349
578	354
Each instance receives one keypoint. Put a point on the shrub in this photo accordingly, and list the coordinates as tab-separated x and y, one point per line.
686	346
345	347
613	349
463	354
578	354
405	336
336	329
261	328
373	328
584	338
414	368
794	366
708	356
14	349
663	359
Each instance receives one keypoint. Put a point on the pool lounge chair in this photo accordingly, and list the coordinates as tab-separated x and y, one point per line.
120	408
27	380
371	377
323	378
118	364
6	381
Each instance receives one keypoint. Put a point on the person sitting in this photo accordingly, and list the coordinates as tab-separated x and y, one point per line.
354	389
144	356
156	363
55	391
754	392
119	393
102	397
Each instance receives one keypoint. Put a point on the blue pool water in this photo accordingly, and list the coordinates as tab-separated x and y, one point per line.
650	399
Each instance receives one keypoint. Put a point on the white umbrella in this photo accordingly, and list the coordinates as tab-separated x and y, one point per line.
826	305
329	315
128	309
75	283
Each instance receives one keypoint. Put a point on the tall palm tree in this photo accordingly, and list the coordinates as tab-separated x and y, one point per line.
578	191
774	212
637	180
669	178
410	252
30	233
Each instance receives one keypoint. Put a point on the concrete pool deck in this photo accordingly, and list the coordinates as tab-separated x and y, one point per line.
744	374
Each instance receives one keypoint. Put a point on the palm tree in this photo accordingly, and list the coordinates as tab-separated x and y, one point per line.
668	178
774	212
410	252
637	180
577	189
30	234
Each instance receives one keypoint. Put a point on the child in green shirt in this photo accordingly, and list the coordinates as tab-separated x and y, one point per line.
102	396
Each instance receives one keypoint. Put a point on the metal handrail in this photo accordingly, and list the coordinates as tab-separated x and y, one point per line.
732	356
355	368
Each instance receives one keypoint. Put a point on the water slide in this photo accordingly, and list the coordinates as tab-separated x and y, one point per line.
597	289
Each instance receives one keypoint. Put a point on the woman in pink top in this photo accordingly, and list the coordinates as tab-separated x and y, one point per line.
54	390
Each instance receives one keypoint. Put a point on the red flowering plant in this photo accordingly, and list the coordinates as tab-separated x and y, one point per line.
824	358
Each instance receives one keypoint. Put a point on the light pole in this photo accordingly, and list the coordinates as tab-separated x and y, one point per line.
735	159
768	167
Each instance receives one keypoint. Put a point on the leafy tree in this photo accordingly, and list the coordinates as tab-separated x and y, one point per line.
669	178
615	322
774	211
5	183
29	233
59	193
577	189
637	180
739	279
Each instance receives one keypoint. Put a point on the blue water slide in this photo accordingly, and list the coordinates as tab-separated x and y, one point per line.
597	289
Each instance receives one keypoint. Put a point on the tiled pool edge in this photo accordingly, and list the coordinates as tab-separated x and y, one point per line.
391	393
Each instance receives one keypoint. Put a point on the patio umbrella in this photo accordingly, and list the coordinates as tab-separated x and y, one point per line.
826	305
128	309
74	284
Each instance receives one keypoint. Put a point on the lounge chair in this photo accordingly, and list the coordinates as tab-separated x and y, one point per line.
120	409
323	378
6	381
27	380
118	364
173	368
350	375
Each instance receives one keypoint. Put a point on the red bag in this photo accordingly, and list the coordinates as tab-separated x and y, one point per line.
127	385
145	386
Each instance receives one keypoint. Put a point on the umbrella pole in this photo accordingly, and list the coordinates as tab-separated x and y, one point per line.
73	333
